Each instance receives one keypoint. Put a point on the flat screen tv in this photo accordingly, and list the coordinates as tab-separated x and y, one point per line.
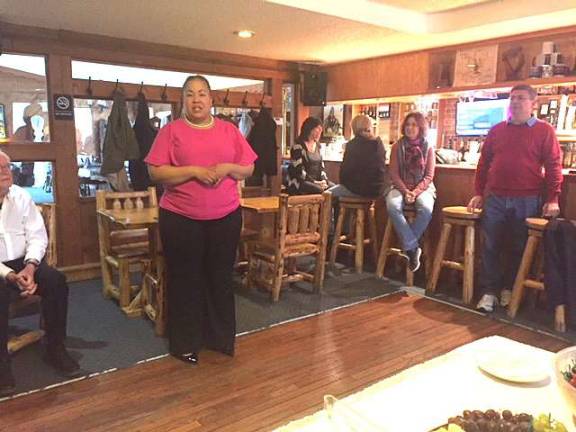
476	118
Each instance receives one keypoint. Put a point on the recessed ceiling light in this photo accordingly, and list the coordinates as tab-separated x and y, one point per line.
244	34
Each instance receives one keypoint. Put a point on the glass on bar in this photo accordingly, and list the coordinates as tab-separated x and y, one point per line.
343	418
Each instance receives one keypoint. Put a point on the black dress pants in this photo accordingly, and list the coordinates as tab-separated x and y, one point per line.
200	257
53	289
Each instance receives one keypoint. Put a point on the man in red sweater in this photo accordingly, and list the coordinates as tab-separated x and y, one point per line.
519	169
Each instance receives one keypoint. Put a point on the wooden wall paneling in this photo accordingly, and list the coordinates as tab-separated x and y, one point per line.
31	152
90	246
63	133
398	75
416	73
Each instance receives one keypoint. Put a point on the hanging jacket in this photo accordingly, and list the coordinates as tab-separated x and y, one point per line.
120	142
262	138
246	123
560	265
145	134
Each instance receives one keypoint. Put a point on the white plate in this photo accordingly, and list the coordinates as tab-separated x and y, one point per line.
514	365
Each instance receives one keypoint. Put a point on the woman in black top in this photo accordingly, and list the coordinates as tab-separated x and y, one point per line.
306	171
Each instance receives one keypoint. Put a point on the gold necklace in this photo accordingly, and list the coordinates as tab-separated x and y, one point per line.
201	126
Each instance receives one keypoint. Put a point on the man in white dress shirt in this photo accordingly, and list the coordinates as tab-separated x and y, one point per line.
23	242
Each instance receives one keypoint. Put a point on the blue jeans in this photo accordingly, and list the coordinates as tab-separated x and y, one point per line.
410	233
504	218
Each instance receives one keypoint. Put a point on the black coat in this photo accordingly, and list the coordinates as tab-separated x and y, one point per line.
363	169
145	135
262	138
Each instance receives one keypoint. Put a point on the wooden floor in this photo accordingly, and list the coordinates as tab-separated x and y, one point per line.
277	375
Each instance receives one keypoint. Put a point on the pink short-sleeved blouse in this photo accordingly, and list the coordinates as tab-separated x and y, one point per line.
179	144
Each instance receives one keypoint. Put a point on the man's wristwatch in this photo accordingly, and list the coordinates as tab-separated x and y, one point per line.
32	261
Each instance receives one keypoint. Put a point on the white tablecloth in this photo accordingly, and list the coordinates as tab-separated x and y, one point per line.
426	395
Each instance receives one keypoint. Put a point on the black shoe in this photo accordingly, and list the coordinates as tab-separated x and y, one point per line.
190	358
59	359
414	259
7	382
226	351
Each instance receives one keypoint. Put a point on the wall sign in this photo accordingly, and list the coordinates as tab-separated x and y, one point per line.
63	107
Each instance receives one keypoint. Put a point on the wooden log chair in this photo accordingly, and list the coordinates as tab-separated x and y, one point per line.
532	259
249	231
22	304
154	294
122	250
390	247
301	230
361	211
457	217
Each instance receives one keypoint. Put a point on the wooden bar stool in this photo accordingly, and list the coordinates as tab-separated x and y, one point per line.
387	247
460	217
536	228
355	239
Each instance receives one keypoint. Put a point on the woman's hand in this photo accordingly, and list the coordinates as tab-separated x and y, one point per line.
322	183
237	172
222	170
207	176
410	197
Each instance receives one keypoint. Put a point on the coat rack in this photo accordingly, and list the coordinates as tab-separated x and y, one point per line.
95	89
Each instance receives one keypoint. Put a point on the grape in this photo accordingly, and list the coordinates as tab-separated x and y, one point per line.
523	417
478	414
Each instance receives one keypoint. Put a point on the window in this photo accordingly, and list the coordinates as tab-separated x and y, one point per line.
23	99
37	178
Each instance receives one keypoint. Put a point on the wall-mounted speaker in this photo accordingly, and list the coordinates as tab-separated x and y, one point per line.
314	88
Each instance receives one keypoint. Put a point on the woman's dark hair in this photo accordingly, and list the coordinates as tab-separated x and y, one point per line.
196	77
420	121
309	124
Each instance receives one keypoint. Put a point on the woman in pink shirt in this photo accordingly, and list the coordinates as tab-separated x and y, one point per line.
412	163
200	159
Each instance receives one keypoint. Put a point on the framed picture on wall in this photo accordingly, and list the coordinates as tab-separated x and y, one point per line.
476	66
544	109
3	132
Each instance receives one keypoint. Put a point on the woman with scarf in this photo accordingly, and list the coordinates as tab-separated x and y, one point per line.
412	164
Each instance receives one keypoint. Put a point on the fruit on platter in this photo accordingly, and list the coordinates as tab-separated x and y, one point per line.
492	421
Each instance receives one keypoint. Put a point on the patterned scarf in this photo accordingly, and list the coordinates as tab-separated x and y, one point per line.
414	160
